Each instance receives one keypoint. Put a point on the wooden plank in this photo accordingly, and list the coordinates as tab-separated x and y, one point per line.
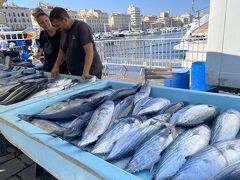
158	73
158	77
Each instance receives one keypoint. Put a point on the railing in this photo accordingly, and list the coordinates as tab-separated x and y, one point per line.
123	58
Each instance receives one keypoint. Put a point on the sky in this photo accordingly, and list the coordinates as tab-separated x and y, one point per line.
147	7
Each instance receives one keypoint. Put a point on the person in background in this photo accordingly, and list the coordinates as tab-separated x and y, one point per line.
49	42
3	44
77	46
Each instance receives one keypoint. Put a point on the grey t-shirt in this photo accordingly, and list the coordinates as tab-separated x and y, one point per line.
72	43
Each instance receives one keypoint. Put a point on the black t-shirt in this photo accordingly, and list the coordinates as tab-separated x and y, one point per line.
50	46
72	43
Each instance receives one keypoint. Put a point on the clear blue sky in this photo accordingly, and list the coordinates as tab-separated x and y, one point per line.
148	7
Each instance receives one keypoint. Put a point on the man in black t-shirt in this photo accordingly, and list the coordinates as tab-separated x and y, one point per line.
77	46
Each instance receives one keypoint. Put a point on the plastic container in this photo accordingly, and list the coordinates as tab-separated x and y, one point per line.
198	81
180	78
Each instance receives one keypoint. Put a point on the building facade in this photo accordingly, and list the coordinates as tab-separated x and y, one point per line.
150	22
164	19
119	21
96	19
135	15
186	18
17	18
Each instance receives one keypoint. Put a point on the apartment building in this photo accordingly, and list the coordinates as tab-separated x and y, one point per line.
119	21
135	15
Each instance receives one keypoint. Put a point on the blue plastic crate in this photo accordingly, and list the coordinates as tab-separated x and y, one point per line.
66	161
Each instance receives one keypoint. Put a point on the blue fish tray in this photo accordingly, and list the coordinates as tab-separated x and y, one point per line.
65	161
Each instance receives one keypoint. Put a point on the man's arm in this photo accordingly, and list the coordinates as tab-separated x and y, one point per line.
88	48
59	61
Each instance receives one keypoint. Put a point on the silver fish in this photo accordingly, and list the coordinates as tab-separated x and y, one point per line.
47	125
103	93
195	115
210	161
171	108
149	153
75	129
226	126
184	146
106	142
122	109
133	138
143	92
60	105
177	115
150	105
98	124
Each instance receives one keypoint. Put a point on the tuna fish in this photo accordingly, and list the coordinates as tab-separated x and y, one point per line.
210	161
47	125
122	109
149	153
77	126
124	92
104	93
185	145
226	126
98	124
87	94
106	142
143	92
171	108
150	105
67	112
194	115
137	135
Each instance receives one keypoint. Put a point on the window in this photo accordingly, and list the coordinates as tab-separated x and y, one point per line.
18	15
19	20
9	14
15	20
22	14
14	35
10	20
26	15
27	20
19	36
24	20
14	14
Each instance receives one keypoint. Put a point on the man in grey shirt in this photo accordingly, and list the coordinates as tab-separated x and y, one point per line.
77	46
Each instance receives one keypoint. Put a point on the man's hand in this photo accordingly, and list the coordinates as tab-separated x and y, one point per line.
55	71
86	76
